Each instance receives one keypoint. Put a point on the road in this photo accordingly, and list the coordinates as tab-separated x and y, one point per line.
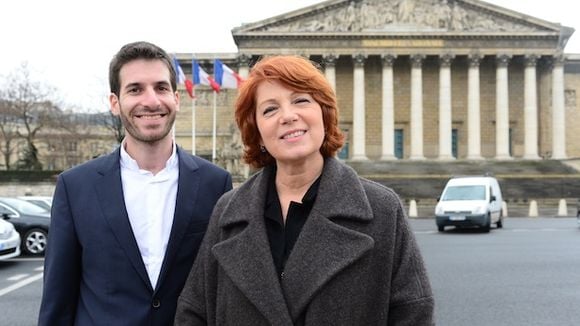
523	274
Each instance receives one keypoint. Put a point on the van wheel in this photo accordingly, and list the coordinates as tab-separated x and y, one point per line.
487	225
500	222
440	228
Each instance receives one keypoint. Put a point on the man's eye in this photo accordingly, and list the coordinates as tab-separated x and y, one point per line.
133	90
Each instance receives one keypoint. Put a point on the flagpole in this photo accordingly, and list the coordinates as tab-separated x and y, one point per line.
193	126
214	127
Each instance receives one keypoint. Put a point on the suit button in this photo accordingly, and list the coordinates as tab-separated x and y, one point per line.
156	303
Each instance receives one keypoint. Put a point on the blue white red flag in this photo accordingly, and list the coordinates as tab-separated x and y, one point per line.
181	79
225	76
200	77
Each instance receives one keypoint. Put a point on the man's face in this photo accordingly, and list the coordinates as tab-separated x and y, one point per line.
147	105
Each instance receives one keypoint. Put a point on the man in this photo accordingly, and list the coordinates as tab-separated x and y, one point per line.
126	227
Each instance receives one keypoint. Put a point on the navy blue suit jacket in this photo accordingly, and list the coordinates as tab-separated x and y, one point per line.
93	271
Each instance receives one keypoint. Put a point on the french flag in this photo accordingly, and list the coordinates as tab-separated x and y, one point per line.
200	77
181	79
225	76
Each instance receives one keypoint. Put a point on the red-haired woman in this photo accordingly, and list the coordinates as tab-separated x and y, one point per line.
305	241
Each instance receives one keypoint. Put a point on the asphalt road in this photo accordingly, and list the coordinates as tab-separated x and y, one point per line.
523	274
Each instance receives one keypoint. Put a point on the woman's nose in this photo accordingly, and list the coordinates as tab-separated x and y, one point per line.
288	114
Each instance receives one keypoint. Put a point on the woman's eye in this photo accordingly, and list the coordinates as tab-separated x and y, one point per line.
302	100
269	110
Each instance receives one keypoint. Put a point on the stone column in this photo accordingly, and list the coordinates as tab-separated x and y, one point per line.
330	69
388	130
530	109
558	109
473	114
417	107
445	122
502	112
243	65
358	114
243	71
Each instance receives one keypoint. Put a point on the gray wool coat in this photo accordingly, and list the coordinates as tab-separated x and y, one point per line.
356	261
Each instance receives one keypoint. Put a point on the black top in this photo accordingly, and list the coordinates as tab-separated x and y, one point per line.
283	237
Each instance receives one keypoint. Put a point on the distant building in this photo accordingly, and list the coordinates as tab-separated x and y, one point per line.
415	80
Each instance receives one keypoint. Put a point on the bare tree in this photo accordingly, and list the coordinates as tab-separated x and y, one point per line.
29	101
8	133
114	124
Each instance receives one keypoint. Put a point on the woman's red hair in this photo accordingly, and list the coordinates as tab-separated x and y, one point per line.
297	74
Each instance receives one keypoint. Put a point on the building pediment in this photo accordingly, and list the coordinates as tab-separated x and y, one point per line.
430	17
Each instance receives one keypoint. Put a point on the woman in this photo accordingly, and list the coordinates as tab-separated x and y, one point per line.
305	241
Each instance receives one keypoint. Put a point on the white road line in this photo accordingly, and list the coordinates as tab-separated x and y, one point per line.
20	284
17	277
27	259
39	269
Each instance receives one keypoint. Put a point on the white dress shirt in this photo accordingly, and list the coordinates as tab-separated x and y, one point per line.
150	202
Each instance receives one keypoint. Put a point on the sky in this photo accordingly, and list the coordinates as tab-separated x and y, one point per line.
68	44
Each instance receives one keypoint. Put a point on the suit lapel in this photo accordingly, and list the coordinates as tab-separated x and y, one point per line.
324	247
110	193
187	193
246	257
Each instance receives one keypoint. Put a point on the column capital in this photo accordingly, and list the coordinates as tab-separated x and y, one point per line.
475	59
359	59
417	60
243	60
388	59
446	59
502	60
558	59
530	60
329	60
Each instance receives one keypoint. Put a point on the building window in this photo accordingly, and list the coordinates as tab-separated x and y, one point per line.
510	141
454	142
399	143
344	151
71	146
570	97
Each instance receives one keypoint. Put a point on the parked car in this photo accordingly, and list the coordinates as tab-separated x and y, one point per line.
470	201
31	221
42	201
9	240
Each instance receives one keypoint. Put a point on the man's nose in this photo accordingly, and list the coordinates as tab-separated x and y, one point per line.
150	98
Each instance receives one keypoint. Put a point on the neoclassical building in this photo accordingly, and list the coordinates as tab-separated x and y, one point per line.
415	80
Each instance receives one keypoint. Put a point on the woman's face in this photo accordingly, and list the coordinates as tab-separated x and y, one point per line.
290	123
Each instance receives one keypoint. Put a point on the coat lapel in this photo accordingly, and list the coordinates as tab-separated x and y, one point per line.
246	257
324	248
187	193
110	193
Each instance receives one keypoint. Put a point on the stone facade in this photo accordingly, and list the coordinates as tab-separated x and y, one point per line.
464	79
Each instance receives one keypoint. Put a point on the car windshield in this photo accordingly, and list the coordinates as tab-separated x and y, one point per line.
24	207
465	193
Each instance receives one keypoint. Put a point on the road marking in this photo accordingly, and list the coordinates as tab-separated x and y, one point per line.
39	269
20	284
17	277
27	259
425	232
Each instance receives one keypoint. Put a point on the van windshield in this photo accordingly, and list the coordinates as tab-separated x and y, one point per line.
465	193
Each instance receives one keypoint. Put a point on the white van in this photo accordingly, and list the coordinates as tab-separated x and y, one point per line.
470	201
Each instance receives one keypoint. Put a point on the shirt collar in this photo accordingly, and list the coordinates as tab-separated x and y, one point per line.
127	162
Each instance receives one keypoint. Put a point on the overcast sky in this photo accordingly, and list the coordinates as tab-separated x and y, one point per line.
69	43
